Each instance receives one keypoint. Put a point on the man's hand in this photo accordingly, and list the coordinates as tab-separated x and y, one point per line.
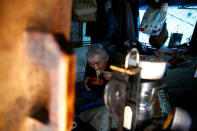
85	83
107	75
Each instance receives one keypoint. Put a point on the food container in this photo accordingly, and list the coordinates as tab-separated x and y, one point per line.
147	92
96	85
153	68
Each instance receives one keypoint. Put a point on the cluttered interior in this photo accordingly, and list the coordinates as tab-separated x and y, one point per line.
98	65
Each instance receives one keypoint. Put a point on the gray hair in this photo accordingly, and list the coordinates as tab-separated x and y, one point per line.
96	49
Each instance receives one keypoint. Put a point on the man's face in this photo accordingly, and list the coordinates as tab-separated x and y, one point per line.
97	62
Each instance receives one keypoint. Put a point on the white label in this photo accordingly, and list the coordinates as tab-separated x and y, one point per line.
195	74
127	117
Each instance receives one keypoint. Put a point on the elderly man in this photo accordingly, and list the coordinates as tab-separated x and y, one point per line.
89	102
97	65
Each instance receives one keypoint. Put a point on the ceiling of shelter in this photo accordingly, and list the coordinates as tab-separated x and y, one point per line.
172	2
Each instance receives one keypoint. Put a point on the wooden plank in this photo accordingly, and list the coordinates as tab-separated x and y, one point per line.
24	83
43	49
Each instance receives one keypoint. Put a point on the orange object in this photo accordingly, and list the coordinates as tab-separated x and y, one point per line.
37	70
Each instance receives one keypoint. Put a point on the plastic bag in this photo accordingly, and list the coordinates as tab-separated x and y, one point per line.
153	20
158	41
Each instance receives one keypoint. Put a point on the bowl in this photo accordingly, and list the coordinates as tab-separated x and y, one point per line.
96	85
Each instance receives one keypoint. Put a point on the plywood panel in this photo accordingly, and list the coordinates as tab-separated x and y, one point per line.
23	81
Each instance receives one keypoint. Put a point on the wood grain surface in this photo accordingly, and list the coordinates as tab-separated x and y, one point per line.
33	68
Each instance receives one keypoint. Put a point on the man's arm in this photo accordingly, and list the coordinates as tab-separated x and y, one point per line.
89	72
107	75
85	84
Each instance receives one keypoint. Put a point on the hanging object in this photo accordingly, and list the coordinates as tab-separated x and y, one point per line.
158	41
84	10
153	20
